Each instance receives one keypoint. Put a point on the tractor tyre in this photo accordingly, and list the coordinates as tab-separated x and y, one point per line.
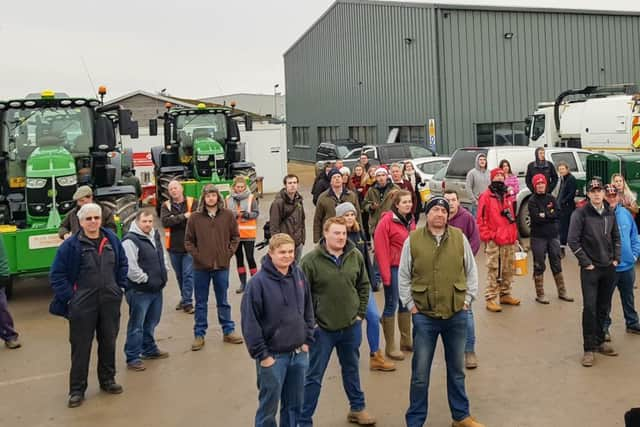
125	207
162	188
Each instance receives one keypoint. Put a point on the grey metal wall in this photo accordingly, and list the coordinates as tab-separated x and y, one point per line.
353	67
487	78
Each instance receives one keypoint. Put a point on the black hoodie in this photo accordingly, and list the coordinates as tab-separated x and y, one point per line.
277	311
545	168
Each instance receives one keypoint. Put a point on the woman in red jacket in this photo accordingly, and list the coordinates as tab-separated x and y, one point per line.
391	232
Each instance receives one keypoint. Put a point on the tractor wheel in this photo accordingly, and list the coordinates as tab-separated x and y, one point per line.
125	207
253	178
162	188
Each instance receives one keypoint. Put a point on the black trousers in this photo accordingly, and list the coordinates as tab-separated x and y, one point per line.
541	248
248	247
597	290
565	219
98	315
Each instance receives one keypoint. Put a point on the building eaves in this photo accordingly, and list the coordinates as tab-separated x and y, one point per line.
173	100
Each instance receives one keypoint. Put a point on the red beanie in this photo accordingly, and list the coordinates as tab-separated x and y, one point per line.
538	178
496	171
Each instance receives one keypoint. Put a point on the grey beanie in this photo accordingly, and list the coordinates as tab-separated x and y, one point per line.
345	207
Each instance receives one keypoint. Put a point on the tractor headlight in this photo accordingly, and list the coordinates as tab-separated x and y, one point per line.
202	157
36	182
219	156
66	181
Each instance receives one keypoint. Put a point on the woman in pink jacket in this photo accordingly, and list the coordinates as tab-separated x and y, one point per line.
391	232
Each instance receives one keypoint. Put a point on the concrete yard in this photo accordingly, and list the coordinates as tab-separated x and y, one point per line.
529	374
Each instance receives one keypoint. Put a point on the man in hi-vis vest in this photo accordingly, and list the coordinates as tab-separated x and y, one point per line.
245	206
174	215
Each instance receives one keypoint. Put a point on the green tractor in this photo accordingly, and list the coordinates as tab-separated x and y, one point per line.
201	146
605	164
50	144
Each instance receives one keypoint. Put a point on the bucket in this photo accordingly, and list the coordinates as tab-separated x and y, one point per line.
425	192
520	262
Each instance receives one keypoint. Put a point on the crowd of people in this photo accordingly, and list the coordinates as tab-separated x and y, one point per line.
297	308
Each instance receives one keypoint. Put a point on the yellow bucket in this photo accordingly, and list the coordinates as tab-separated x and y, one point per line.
520	263
425	192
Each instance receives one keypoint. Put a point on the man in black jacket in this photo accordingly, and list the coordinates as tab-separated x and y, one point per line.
277	324
595	240
146	278
543	211
543	166
286	214
566	201
322	182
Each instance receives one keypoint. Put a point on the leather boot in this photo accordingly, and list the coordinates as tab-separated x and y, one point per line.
377	362
404	324
467	422
493	306
389	329
538	280
562	289
362	418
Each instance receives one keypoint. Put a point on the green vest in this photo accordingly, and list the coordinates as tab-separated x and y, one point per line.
438	279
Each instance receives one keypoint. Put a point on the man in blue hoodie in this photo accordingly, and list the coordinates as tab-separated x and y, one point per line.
277	324
625	271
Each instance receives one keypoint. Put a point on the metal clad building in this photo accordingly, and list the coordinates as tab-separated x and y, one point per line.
368	66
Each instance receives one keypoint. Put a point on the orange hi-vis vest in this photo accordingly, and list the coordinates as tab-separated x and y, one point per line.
248	228
167	230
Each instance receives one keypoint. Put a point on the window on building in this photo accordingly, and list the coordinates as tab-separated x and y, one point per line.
500	134
365	134
300	136
415	134
327	133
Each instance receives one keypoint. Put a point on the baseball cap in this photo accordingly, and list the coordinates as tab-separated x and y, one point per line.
595	184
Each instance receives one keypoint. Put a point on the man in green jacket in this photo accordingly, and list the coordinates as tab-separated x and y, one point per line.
329	199
340	292
438	280
7	332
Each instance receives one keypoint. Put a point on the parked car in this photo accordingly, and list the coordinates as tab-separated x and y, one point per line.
463	160
426	167
334	150
385	154
436	183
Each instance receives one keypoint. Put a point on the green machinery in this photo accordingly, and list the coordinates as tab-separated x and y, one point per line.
50	144
605	164
201	146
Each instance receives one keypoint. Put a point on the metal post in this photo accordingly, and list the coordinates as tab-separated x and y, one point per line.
275	105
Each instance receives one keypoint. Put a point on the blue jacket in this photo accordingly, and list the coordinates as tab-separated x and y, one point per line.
277	311
628	238
66	269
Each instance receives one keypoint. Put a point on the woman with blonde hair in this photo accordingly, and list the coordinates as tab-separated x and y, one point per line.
245	206
627	197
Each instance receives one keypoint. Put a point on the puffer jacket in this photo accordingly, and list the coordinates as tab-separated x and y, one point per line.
388	239
493	224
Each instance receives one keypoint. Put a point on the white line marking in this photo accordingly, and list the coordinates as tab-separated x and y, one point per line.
33	378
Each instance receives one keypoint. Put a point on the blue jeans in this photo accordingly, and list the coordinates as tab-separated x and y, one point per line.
392	296
372	316
425	337
470	345
347	344
182	264
145	309
624	282
220	278
283	382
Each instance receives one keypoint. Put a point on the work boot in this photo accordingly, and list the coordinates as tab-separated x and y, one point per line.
607	350
241	288
538	280
377	362
111	387
562	289
179	306
75	400
607	336
198	343
404	324
362	418
470	360
509	300
137	366
467	422
157	355
389	330
587	359
12	344
563	252
493	306
233	338
189	309
633	329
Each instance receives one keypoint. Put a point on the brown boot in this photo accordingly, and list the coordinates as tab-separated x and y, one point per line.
377	362
470	360
389	330
538	280
467	422
404	324
362	418
493	306
233	338
562	289
509	300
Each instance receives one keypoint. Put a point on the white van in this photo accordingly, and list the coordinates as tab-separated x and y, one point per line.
463	160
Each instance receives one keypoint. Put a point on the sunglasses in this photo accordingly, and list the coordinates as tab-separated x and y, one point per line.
92	218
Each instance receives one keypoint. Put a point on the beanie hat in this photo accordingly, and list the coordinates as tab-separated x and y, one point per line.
496	171
437	201
343	208
333	172
81	192
539	178
345	171
382	170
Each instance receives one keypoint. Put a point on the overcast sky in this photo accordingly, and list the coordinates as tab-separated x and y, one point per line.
204	49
